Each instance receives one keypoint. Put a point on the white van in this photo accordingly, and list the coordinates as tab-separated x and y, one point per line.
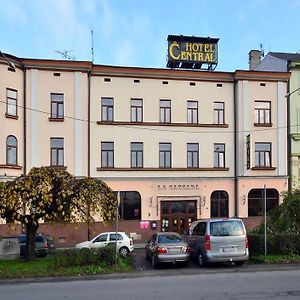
218	240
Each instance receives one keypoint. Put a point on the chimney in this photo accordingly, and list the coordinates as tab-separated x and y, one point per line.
254	59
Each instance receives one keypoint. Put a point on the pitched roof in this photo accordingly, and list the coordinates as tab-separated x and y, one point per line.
286	56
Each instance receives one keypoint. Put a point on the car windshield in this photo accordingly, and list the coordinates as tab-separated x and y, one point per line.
169	238
226	228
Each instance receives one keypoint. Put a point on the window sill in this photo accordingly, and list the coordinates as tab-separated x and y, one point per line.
263	124
16	167
56	119
161	169
263	168
162	124
11	116
295	136
59	167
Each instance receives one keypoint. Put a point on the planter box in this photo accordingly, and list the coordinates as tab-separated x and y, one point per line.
9	248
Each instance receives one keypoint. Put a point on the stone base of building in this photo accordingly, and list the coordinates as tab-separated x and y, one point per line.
69	234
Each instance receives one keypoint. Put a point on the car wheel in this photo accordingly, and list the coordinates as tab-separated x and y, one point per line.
154	262
201	260
124	251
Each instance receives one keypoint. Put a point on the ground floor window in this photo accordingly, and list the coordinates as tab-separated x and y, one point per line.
256	201
130	205
219	204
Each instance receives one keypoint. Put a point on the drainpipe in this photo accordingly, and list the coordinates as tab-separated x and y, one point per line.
89	142
289	146
89	122
25	123
235	148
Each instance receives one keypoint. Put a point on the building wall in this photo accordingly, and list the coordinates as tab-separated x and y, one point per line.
8	124
73	128
122	89
237	90
295	123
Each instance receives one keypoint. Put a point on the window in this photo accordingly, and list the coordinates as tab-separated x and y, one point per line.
112	237
130	205
107	154
101	238
136	110
165	111
165	155
219	155
107	109
263	155
136	155
219	204
193	155
256	200
262	112
200	229
192	112
219	113
11	150
11	102
57	151
57	106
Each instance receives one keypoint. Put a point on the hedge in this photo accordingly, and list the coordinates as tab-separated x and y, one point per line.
276	244
84	257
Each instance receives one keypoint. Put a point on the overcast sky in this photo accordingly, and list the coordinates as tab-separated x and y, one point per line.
134	32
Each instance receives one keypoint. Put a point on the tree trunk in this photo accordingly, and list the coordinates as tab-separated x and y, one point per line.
31	230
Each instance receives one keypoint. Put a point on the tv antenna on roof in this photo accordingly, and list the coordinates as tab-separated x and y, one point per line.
261	48
65	54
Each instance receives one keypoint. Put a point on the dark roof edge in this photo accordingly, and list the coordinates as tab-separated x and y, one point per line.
192	39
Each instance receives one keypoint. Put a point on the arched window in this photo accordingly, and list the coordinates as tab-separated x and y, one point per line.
130	205
11	150
219	204
256	201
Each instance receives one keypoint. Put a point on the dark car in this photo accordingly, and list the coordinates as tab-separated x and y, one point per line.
166	247
44	245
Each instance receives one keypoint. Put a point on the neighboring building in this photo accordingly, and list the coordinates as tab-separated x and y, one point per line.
179	145
288	62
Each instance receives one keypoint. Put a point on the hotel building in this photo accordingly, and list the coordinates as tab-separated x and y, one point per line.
179	145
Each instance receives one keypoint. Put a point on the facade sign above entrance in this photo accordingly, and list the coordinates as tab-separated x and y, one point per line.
189	52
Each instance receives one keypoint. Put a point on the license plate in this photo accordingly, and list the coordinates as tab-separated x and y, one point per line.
173	250
228	249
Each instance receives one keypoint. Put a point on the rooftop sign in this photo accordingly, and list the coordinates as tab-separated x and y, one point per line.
189	52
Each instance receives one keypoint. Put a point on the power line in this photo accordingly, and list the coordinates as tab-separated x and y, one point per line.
154	129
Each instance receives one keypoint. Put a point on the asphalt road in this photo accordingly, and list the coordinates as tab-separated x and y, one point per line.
258	285
174	282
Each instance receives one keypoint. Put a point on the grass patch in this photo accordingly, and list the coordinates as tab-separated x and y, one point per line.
46	266
276	259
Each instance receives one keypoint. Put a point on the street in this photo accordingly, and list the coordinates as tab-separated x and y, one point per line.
168	282
275	284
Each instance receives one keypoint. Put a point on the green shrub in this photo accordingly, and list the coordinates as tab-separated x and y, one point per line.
85	257
276	244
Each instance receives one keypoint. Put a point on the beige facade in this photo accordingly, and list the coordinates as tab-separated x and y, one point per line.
188	143
11	122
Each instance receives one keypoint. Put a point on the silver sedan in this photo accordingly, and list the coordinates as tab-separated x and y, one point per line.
167	247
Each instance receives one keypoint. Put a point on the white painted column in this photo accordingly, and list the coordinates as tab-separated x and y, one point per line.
282	129
78	140
33	120
245	126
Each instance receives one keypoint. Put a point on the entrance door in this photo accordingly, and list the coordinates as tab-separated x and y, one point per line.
177	216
